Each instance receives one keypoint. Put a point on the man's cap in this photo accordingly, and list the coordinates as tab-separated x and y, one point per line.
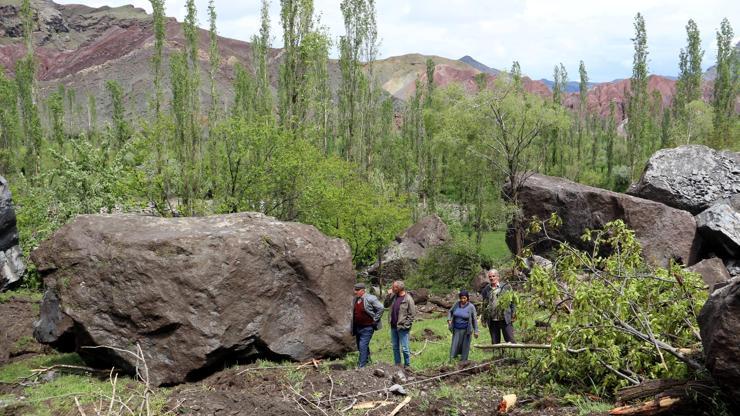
359	286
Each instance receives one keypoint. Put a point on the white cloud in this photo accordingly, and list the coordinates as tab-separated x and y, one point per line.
537	33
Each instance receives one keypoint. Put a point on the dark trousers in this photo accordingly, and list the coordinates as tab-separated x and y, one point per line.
363	335
497	327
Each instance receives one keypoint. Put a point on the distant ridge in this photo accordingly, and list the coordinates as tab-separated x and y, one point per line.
479	66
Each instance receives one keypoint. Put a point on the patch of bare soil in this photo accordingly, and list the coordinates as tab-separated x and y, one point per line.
327	390
16	337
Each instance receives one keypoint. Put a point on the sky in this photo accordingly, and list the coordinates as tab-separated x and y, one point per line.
538	33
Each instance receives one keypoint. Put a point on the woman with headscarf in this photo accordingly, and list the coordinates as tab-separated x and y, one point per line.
462	322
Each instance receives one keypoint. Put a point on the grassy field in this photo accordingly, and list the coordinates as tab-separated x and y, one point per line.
493	244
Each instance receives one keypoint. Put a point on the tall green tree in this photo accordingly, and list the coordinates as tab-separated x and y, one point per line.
637	100
121	130
215	62
357	46
159	34
55	104
25	77
583	112
725	86
261	50
296	18
9	128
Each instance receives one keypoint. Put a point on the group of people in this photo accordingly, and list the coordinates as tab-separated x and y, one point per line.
462	318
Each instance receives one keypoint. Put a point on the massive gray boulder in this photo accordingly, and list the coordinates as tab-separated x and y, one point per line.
720	227
414	243
712	271
691	178
664	232
194	292
12	267
719	323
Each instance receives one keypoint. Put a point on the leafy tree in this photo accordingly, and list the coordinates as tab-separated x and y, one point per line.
637	107
121	130
55	103
261	48
296	17
159	34
613	320
725	86
10	139
215	60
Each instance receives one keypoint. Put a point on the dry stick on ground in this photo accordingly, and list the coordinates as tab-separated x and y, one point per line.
306	400
79	407
425	380
400	406
415	354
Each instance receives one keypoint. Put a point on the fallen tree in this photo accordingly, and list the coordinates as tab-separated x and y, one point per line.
627	322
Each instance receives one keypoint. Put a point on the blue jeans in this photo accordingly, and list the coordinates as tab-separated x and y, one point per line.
400	341
363	335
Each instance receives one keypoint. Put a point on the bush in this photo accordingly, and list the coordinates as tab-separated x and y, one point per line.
449	266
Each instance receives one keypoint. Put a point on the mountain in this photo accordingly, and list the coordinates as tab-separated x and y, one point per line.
479	66
571	86
711	72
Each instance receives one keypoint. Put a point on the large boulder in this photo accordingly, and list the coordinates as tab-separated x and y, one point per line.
194	292
665	233
719	323
720	227
402	255
691	178
712	271
12	266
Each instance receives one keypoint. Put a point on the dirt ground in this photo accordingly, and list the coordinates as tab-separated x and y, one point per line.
16	337
325	390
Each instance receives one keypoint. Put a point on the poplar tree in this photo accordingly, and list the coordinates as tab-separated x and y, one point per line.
55	104
215	62
637	100
725	86
688	85
121	131
25	77
9	128
582	116
296	18
356	91
159	33
260	51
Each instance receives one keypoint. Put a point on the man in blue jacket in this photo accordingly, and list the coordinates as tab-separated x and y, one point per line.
366	314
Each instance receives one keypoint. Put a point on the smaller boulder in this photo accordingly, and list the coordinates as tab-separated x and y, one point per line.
420	296
401	257
712	271
691	178
720	227
12	267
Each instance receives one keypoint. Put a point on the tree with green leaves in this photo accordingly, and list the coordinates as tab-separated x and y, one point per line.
358	45
55	105
725	87
10	139
25	78
296	18
214	57
260	51
159	33
583	113
637	100
121	130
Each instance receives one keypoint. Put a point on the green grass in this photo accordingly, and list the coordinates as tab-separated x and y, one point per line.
25	294
493	244
57	396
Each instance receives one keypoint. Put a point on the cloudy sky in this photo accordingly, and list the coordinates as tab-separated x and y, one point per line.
537	33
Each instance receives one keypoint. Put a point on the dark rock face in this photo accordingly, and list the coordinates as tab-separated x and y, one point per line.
712	271
664	232
719	322
12	267
194	292
691	178
720	226
401	257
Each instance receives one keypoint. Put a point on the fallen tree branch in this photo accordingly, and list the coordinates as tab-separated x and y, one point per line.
528	346
400	406
653	407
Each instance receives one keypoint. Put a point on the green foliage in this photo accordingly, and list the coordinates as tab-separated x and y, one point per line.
621	311
725	87
452	265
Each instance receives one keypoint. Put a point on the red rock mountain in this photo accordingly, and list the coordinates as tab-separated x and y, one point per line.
83	47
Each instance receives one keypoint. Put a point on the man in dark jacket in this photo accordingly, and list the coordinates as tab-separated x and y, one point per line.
497	316
403	311
366	314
